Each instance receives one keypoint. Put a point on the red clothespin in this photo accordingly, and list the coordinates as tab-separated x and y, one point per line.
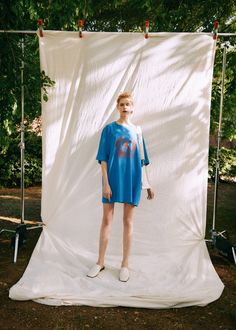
215	29
40	26
147	25
80	25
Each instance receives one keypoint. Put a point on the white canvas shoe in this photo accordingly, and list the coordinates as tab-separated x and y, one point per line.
95	270
124	274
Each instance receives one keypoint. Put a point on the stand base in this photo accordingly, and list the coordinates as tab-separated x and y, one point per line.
221	242
20	236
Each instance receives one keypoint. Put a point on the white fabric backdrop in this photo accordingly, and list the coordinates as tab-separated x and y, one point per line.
170	76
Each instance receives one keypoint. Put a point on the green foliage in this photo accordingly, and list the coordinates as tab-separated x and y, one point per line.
229	110
99	15
10	161
10	103
227	162
46	82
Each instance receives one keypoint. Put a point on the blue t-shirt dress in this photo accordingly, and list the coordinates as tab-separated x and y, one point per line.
119	148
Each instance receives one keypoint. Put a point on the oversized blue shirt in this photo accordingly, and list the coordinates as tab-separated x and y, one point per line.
119	148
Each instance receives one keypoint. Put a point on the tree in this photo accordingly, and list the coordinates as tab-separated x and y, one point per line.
99	15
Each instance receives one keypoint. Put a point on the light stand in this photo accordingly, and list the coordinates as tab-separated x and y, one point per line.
21	229
220	239
224	46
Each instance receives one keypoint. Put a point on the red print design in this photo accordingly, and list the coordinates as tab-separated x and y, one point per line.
125	147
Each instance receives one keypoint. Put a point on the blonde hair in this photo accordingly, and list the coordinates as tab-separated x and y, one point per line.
125	95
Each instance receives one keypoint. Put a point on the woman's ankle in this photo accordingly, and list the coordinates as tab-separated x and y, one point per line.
124	264
100	263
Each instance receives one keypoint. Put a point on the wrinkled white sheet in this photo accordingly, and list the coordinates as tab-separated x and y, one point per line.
170	75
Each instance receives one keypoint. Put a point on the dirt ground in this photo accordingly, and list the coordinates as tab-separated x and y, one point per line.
220	314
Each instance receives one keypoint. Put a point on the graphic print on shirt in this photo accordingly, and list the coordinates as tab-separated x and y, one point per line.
125	147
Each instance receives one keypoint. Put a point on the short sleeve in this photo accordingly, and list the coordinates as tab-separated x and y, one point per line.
103	149
146	159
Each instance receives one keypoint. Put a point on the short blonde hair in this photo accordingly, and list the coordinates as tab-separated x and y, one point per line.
125	95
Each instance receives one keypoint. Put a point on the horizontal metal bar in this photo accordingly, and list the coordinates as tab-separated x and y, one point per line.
227	34
150	33
18	31
153	34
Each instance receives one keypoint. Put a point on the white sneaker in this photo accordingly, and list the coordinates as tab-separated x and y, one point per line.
95	270
124	274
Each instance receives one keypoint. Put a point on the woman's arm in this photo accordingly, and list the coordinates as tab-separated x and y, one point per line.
150	192
107	193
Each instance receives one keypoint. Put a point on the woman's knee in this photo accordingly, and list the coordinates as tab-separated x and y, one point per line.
128	215
108	211
107	221
128	223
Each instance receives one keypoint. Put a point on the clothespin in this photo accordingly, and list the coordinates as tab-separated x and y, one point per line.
147	25
215	29
40	26
80	25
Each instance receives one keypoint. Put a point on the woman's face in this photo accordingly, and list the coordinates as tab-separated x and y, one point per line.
125	108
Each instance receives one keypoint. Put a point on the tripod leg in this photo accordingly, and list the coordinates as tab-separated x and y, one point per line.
16	246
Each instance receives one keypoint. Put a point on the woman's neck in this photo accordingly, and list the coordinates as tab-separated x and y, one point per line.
124	121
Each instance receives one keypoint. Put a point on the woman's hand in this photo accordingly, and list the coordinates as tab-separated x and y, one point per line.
107	193
150	193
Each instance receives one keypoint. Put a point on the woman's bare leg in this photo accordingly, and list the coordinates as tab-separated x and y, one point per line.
127	232
108	211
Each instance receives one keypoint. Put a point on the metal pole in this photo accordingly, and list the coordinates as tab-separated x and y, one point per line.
17	237
35	32
226	34
22	143
22	152
18	31
217	167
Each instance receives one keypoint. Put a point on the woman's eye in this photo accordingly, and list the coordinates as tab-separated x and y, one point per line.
122	104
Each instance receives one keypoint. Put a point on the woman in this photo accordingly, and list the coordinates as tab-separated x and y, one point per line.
119	156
